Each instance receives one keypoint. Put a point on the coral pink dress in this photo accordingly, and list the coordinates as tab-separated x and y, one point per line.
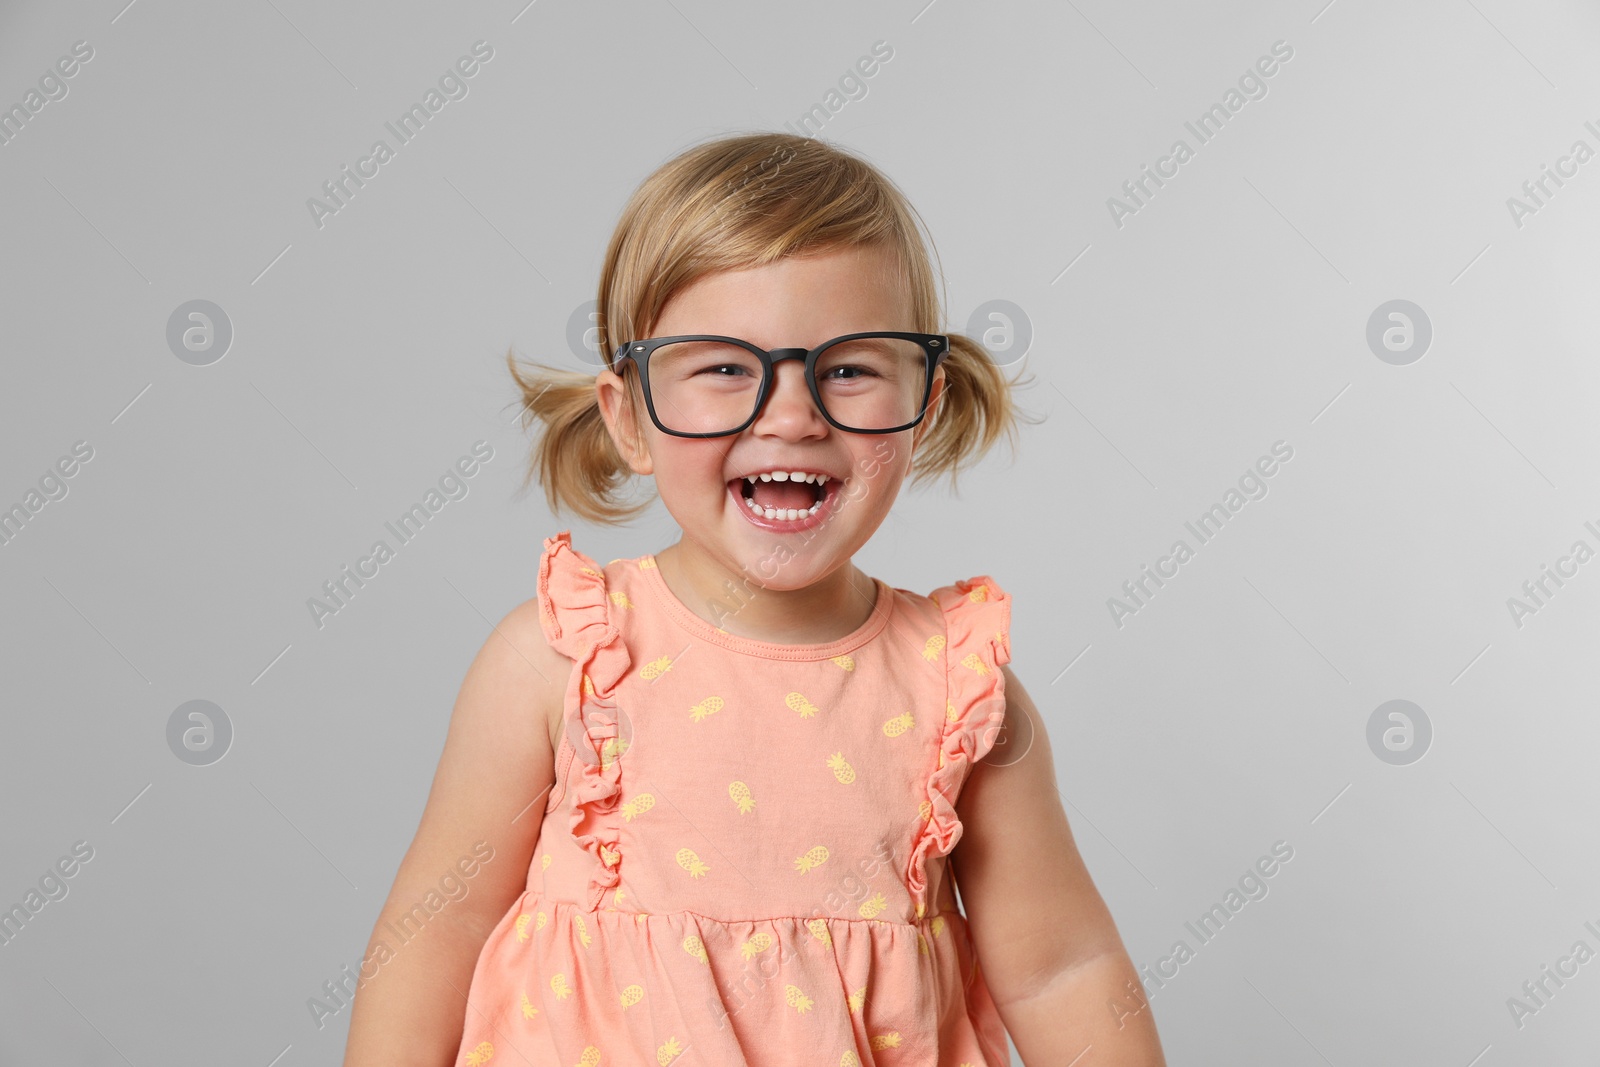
743	857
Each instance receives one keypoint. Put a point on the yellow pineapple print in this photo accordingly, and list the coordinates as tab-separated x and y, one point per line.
582	928
849	1059
741	796
841	770
708	706
925	810
482	1054
897	725
978	594
872	906
815	857
950	712
883	1041
589	570
938	925
656	668
845	663
798	702
796	999
696	948
647	563
528	1010
856	999
669	1051
932	648
539	921
921	908
972	662
638	806
588	686
522	927
691	863
819	930
544	862
620	599
922	944
609	856
614	747
559	986
758	943
589	1057
632	995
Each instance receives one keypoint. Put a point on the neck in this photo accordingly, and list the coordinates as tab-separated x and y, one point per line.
747	604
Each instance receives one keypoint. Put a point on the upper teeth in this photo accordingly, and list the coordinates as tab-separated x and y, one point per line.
787	476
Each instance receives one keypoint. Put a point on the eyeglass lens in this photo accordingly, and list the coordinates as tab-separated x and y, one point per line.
868	383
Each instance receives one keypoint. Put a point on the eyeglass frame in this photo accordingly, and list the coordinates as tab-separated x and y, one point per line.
935	348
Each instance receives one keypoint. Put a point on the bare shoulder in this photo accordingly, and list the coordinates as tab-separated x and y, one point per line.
494	774
1014	820
1021	738
516	656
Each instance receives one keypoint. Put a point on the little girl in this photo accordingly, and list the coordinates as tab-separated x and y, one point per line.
721	786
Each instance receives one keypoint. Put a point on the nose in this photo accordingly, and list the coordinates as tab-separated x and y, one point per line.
789	410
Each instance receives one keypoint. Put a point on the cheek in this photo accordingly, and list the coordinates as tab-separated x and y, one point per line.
685	466
885	461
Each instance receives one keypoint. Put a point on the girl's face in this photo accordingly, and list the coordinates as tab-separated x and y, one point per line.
793	303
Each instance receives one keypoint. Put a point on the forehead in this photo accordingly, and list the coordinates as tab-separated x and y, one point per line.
799	300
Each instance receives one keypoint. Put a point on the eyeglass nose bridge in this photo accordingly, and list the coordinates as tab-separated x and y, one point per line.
777	356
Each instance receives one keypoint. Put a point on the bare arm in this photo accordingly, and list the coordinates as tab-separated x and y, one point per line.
491	785
1051	954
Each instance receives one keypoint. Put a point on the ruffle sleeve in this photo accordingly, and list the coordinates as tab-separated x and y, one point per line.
575	610
977	642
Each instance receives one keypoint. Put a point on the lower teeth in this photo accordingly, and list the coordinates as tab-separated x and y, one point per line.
787	514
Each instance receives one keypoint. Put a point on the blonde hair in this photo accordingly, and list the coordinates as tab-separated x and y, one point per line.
730	204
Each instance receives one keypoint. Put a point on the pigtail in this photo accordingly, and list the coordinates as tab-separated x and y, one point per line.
574	457
973	412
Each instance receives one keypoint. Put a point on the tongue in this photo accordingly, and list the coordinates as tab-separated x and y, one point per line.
799	496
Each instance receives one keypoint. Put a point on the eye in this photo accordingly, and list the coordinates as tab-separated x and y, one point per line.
856	370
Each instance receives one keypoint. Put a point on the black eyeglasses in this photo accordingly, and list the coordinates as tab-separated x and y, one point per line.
705	385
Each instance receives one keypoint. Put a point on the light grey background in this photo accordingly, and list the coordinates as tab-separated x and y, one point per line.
1171	352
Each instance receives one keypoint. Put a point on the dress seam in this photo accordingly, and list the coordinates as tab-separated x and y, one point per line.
913	925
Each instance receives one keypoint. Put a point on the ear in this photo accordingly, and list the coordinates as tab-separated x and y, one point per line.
934	397
611	392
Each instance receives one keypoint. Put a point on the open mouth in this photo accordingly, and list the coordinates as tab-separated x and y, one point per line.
787	499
